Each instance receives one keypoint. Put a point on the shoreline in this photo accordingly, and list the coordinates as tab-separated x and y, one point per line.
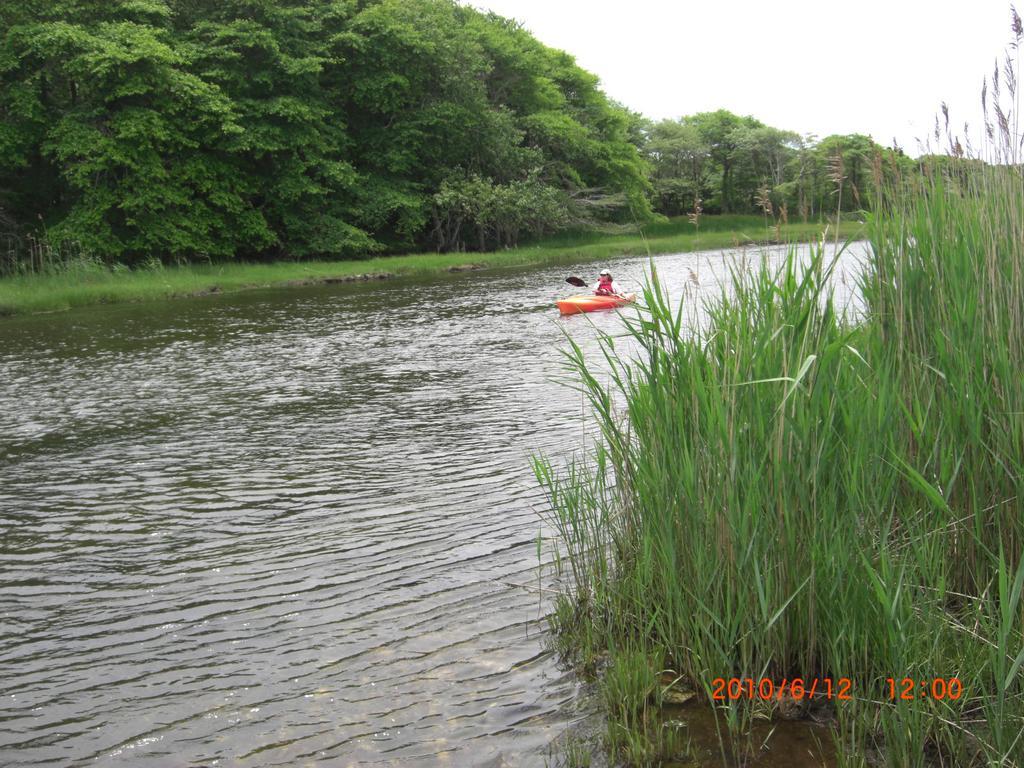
95	284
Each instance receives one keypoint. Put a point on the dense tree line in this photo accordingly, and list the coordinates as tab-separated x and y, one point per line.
202	129
296	128
719	162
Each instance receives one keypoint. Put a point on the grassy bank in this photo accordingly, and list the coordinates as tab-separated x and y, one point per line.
786	496
87	283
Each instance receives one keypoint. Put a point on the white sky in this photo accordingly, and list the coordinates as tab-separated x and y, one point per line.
876	67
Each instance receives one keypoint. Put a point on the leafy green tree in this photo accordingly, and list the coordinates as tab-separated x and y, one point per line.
680	166
797	191
476	212
719	130
193	129
760	158
410	84
583	143
290	154
103	106
849	159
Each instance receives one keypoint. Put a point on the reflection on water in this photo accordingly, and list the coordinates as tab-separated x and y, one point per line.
289	528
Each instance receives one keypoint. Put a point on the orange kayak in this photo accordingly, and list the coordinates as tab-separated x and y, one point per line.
591	303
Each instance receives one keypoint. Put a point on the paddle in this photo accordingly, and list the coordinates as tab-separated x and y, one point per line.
576	281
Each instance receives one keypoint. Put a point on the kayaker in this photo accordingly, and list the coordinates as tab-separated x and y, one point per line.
606	286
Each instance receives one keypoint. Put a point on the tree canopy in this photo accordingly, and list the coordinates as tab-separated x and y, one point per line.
197	130
733	164
297	128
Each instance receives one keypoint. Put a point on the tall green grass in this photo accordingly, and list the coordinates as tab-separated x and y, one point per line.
82	281
781	492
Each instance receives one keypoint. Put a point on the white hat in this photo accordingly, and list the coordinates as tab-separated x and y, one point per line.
605	272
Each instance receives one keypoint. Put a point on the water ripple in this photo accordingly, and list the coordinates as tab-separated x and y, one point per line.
287	528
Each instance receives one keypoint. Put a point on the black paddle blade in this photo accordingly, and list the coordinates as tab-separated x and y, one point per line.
575	281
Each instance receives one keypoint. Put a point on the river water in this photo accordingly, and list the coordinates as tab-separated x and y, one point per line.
291	527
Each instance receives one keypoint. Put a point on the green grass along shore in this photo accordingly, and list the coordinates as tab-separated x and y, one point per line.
95	284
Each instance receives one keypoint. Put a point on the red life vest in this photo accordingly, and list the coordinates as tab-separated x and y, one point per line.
604	287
